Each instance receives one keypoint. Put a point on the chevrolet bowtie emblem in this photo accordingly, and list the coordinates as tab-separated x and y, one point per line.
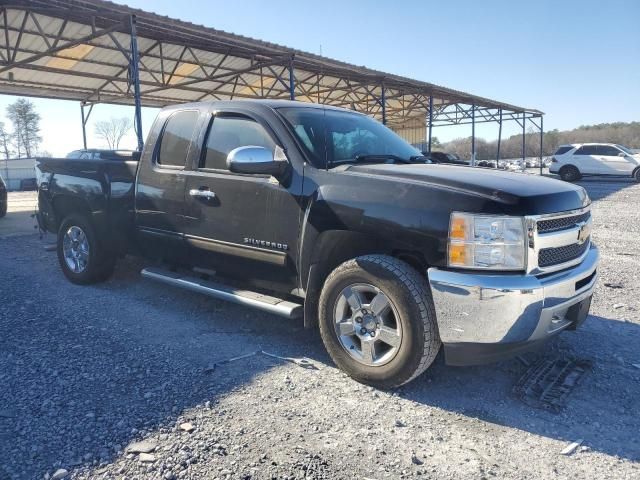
584	232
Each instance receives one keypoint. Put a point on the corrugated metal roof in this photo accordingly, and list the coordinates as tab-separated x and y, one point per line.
79	49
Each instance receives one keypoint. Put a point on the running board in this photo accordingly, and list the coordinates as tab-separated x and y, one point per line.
277	306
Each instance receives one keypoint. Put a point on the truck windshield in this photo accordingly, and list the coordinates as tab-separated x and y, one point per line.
331	138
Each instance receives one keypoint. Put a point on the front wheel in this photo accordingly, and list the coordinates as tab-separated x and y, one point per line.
82	257
636	175
377	321
570	173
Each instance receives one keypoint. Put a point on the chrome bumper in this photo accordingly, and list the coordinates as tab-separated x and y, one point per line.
483	317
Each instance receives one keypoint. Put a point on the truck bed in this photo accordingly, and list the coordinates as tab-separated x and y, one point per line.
105	189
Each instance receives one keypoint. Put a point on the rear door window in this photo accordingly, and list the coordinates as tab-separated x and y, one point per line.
176	138
563	150
587	150
228	132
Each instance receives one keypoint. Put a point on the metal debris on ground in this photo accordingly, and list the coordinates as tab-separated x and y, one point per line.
569	449
547	383
213	367
301	362
614	285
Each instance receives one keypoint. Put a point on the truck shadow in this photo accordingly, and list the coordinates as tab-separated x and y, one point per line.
88	370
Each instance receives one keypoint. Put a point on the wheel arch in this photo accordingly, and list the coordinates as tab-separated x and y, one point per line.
65	205
334	247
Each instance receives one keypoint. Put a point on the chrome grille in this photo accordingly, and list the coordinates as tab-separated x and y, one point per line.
562	223
554	256
557	241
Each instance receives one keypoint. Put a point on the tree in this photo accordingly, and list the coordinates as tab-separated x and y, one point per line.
5	141
26	126
113	130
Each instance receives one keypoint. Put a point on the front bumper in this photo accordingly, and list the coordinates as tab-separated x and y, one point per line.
485	317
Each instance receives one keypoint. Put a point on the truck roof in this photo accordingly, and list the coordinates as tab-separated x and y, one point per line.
269	103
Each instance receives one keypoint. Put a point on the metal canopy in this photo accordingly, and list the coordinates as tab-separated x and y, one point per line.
96	51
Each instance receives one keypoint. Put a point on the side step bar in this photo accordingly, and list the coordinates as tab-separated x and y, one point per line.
277	306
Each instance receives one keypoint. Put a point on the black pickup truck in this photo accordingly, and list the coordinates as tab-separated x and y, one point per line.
317	212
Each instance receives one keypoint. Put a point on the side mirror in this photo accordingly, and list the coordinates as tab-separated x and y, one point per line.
256	160
621	154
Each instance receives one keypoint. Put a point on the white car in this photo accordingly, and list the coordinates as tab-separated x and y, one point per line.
572	162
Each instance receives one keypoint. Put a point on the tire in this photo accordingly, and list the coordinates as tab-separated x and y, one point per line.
570	173
3	209
408	321
94	263
636	176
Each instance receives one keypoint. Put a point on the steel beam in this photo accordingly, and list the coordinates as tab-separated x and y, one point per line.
524	133
292	80
383	104
541	141
135	79
473	135
84	126
430	120
499	138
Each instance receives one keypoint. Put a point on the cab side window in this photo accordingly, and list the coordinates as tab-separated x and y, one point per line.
228	132
176	138
587	150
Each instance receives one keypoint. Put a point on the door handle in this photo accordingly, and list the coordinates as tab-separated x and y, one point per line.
208	194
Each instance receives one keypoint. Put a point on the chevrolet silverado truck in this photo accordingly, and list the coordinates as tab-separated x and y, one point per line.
317	212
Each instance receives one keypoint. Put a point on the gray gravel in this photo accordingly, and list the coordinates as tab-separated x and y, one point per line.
118	381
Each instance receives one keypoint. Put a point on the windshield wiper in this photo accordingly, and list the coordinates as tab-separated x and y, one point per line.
382	156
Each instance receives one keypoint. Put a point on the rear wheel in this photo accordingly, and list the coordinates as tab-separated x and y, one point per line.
82	257
377	321
570	173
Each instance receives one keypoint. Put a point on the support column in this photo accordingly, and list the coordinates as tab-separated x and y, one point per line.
135	79
524	124
292	81
541	141
473	134
499	138
383	104
84	126
85	119
430	120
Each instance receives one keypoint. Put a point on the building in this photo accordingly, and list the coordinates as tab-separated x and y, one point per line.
16	171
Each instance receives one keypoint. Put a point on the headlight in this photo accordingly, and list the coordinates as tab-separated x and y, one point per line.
486	242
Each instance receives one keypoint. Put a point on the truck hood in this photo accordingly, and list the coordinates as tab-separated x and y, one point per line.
514	193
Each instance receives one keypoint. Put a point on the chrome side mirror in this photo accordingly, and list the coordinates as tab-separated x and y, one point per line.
257	161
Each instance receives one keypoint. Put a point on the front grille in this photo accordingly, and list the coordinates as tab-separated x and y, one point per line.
563	223
555	256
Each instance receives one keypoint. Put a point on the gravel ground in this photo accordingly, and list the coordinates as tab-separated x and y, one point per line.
18	221
86	373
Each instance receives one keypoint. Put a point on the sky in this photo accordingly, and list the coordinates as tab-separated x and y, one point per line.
577	61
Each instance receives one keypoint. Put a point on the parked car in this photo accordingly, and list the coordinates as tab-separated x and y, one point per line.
442	157
102	154
572	162
486	163
318	212
3	197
